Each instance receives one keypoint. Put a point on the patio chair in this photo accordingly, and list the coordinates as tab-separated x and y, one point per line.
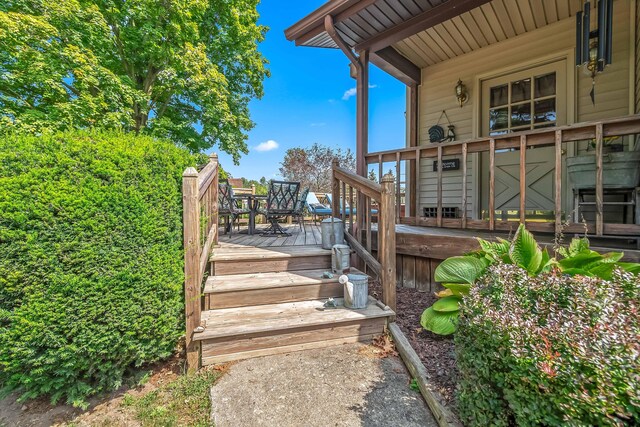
348	210
300	206
282	199
315	207
228	206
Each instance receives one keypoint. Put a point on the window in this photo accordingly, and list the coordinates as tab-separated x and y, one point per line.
524	100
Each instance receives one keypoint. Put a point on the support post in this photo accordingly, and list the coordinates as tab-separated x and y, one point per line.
192	279
411	187
599	180
214	194
335	191
523	178
387	241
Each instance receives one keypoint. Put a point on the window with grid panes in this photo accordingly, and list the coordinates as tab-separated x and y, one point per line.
524	104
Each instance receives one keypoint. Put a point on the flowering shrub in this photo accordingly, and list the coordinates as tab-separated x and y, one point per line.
550	350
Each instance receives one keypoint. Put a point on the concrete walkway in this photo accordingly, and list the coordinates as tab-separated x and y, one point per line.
338	386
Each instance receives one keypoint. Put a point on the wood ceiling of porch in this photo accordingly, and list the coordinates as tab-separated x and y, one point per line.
428	31
490	23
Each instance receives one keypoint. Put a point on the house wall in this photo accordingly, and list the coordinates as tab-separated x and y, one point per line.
637	31
552	41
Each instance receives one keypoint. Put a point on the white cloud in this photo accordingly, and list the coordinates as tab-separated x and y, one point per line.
352	92
267	146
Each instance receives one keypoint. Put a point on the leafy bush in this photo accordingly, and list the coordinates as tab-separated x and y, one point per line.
459	273
549	350
90	260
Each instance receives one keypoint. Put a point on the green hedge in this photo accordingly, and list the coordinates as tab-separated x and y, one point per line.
90	260
549	350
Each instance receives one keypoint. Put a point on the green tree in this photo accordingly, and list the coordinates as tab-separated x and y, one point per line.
178	69
312	166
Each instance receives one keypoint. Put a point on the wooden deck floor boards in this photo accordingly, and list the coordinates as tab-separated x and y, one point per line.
292	315
309	237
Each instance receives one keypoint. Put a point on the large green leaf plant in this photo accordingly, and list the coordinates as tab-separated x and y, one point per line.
457	274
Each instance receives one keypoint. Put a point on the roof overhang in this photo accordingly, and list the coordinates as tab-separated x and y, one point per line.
375	25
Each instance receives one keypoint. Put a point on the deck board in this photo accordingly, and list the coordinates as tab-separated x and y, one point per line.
292	315
311	236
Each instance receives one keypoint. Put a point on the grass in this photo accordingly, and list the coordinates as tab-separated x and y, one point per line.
182	402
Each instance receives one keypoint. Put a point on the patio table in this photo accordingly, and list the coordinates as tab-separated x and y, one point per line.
253	200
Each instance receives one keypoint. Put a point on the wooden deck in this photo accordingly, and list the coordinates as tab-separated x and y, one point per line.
309	237
266	295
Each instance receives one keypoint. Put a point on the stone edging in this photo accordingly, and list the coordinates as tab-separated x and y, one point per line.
443	416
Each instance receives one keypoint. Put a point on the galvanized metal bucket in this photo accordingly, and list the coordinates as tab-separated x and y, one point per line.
340	258
620	170
356	290
332	230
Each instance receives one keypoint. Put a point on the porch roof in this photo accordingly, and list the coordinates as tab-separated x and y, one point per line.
424	33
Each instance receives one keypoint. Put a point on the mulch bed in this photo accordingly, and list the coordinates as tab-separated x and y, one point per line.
435	351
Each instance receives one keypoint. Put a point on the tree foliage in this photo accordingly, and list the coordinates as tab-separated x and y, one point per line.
312	166
178	69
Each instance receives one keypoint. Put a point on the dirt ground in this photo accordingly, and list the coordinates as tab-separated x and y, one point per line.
106	410
435	351
348	385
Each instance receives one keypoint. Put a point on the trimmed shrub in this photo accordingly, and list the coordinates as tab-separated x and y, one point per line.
550	350
91	261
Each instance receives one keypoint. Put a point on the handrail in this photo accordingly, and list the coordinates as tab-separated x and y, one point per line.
595	131
345	183
200	221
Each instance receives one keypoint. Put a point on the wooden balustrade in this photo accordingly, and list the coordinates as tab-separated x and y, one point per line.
358	235
594	131
200	221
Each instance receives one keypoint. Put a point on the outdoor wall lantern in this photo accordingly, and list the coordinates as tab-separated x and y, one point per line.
461	93
593	48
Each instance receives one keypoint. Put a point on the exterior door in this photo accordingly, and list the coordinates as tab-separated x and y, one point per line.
529	99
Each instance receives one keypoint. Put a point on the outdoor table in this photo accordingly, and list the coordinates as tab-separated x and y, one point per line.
252	203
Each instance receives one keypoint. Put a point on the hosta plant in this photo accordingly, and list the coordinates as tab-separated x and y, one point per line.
458	274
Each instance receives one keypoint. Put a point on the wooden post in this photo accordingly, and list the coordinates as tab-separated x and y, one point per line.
192	278
253	189
439	189
599	188
214	196
387	242
558	179
417	178
380	168
351	204
523	178
410	187
492	184
398	197
464	185
335	192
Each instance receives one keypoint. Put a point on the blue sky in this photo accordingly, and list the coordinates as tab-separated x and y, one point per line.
303	99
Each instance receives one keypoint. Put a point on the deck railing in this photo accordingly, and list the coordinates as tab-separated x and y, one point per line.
349	188
200	220
595	131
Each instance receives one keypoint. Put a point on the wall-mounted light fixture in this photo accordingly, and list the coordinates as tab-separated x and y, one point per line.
461	93
594	48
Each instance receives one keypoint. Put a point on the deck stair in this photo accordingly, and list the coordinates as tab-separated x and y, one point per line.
270	300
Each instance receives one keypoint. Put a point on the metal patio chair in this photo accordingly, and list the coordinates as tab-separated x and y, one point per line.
300	206
228	206
282	200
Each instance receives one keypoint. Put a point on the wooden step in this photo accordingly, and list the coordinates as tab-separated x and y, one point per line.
240	290
240	260
243	332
